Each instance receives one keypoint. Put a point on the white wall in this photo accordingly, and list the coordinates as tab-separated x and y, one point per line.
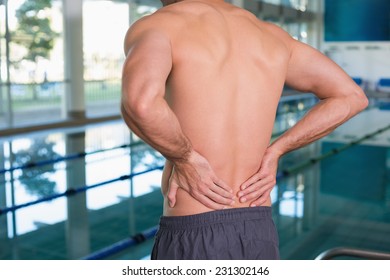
367	60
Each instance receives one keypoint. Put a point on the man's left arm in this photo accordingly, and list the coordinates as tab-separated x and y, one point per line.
340	100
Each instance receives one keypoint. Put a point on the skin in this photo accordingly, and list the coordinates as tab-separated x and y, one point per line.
201	84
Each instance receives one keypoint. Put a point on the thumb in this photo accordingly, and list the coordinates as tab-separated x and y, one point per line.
172	193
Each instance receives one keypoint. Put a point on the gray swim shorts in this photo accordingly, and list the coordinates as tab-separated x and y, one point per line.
231	234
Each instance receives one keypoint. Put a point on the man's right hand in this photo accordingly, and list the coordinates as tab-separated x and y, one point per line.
196	177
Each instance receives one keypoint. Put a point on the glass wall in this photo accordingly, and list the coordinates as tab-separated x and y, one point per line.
3	72
297	29
298	17
301	5
32	61
296	4
104	26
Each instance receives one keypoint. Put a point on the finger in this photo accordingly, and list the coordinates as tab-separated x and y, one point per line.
209	202
221	192
222	185
258	193
258	176
262	199
218	198
172	194
253	195
254	187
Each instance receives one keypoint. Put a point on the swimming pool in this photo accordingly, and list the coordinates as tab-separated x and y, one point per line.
66	194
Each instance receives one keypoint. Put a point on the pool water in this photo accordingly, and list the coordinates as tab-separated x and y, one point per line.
67	194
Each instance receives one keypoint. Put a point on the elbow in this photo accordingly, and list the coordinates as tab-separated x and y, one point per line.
364	102
135	109
359	101
351	104
139	104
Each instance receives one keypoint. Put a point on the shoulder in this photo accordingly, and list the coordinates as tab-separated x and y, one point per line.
142	28
162	23
278	32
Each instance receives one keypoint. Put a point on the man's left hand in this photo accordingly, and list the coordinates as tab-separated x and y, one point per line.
258	187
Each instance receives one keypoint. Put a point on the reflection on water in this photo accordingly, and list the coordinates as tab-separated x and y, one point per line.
37	181
145	158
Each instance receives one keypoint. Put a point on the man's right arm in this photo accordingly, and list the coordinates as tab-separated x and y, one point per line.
340	99
144	109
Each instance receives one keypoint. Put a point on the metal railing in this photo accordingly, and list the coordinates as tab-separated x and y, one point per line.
354	253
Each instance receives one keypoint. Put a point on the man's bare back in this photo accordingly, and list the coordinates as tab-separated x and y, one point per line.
221	93
202	83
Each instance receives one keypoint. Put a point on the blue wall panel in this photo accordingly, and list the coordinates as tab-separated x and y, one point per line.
357	20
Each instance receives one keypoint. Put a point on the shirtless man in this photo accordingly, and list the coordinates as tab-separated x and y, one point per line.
201	85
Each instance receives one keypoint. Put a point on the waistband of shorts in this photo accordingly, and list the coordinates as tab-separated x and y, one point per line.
217	216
